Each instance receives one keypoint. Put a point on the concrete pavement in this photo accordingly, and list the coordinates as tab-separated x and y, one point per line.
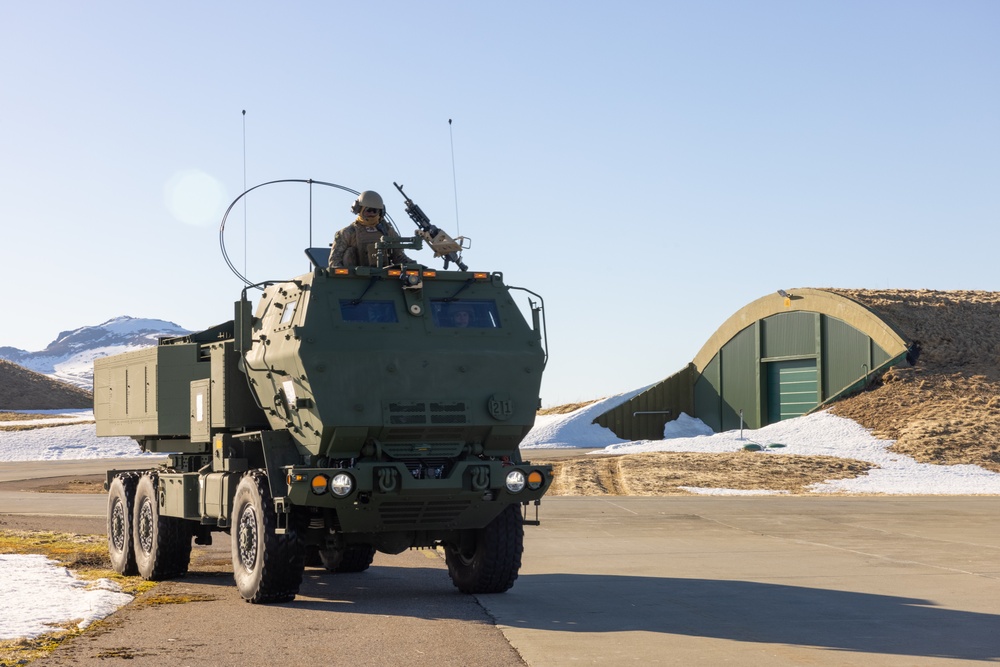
771	580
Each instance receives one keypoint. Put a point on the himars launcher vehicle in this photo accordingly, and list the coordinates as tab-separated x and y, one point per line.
355	410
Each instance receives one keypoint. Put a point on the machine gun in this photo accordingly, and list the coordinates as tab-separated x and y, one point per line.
439	240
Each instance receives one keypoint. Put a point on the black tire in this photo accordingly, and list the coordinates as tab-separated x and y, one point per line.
312	556
355	558
489	563
267	567
162	544
121	501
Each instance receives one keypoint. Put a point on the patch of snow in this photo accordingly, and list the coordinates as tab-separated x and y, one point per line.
575	429
40	597
702	491
819	434
72	441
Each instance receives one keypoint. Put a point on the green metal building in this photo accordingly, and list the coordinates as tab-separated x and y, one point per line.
782	356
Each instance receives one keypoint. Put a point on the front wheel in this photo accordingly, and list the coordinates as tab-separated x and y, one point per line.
267	566
489	559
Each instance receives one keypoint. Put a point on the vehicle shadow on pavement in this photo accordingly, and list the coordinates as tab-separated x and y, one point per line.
747	611
743	611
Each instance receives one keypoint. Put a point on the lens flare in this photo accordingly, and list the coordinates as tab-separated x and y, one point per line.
194	197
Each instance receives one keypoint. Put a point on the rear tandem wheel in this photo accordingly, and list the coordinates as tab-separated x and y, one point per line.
121	504
162	544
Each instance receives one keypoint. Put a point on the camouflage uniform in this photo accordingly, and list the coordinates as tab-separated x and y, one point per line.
354	245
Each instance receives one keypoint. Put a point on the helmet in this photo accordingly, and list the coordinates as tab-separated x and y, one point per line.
367	199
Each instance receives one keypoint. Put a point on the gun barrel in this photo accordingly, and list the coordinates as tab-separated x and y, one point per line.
422	221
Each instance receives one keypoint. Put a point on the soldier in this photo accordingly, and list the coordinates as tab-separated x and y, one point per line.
461	318
354	245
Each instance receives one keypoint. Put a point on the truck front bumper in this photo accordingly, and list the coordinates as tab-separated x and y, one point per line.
387	496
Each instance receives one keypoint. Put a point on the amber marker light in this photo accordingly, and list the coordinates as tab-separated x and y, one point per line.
341	272
430	274
292	478
535	480
395	273
479	275
319	484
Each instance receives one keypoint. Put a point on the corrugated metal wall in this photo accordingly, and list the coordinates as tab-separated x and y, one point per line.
707	396
848	355
789	335
643	416
741	379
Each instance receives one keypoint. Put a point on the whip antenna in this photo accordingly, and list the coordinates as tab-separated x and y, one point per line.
454	180
244	190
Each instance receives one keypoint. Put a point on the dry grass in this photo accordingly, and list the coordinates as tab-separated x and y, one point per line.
68	550
21	416
946	408
664	473
567	408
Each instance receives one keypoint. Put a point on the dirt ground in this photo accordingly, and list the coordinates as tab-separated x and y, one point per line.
946	408
667	473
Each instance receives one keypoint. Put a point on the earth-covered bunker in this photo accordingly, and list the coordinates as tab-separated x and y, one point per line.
781	356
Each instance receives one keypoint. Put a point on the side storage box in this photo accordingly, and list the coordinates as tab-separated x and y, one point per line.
233	404
147	392
179	492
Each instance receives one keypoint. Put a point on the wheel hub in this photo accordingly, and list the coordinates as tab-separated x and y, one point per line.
247	537
145	526
118	526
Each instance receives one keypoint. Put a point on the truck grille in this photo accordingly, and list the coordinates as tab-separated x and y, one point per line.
426	413
416	450
422	513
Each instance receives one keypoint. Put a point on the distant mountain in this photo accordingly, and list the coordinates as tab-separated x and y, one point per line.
70	357
22	389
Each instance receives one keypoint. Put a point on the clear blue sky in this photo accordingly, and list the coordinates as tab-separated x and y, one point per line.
648	167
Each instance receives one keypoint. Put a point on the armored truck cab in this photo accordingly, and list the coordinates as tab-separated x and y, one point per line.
354	410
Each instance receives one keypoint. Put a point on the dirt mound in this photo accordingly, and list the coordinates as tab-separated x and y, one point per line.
22	389
946	408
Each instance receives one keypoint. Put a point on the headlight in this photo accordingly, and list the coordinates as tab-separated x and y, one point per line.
341	485
515	481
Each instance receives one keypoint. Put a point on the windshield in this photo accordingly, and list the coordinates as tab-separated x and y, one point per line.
465	314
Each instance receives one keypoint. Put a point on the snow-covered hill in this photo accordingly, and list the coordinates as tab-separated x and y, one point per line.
70	357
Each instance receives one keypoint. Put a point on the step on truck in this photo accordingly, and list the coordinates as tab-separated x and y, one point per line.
354	410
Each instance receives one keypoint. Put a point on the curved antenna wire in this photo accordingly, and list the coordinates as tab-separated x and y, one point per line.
222	227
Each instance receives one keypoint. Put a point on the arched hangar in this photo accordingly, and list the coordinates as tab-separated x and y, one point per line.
781	356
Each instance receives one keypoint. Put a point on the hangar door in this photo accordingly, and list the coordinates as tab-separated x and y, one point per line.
792	388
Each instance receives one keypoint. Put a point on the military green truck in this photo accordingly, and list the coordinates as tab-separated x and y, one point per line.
355	410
